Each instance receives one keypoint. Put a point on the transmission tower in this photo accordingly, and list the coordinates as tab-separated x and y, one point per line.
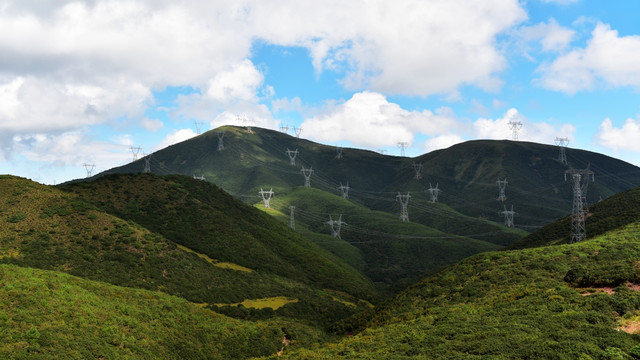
515	126
198	177
266	196
292	156
220	140
404	201
417	168
297	131
382	151
292	223
402	145
339	152
284	128
89	168
580	180
135	151
562	144
502	185
508	216
147	165
198	125
307	176
335	226
344	190
433	193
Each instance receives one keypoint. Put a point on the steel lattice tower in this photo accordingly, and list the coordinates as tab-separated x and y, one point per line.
307	176
579	181
515	126
266	196
297	131
417	168
135	151
338	152
147	165
335	226
292	223
220	140
562	144
508	216
433	193
344	190
404	201
292	156
502	185
284	129
402	145
89	168
198	125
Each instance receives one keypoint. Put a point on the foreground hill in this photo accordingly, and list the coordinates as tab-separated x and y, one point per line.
575	301
51	315
47	228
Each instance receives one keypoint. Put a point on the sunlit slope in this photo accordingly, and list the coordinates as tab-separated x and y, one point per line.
394	251
51	315
565	301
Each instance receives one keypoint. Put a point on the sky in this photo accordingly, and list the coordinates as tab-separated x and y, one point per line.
84	82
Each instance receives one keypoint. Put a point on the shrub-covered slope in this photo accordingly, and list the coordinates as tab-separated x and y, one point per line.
51	315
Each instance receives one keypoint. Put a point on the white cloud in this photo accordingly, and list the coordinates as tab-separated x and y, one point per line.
561	2
607	58
175	137
368	119
623	138
500	129
442	142
552	37
151	124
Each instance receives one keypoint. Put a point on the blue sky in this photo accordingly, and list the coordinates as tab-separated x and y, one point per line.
81	82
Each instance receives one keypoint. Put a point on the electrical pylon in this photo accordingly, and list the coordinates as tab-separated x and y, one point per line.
220	140
89	168
292	223
562	144
335	226
339	152
266	196
508	216
135	151
579	182
433	193
292	156
402	145
307	176
515	126
502	184
198	125
404	201
344	190
147	164
297	131
284	129
417	168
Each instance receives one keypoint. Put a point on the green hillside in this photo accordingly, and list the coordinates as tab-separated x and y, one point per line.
51	315
47	228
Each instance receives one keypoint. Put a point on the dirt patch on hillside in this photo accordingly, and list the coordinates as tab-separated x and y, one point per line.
609	290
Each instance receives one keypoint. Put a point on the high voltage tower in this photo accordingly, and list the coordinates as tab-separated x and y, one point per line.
292	223
292	156
515	126
579	182
382	151
266	196
335	226
198	177
339	152
220	140
417	168
502	184
198	125
344	190
297	131
89	168
246	123
404	201
508	216
307	176
147	164
284	128
562	144
135	151
402	145
433	193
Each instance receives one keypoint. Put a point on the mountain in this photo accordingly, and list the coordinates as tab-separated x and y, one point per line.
244	163
51	229
575	301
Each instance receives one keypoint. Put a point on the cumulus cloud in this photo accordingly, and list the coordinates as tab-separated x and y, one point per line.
151	124
550	35
368	119
499	129
622	138
607	59
442	142
175	137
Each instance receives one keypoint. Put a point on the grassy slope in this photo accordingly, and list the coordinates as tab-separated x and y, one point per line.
51	315
378	236
616	211
512	304
46	228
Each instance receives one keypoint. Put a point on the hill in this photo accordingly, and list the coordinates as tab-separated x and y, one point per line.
575	301
47	228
